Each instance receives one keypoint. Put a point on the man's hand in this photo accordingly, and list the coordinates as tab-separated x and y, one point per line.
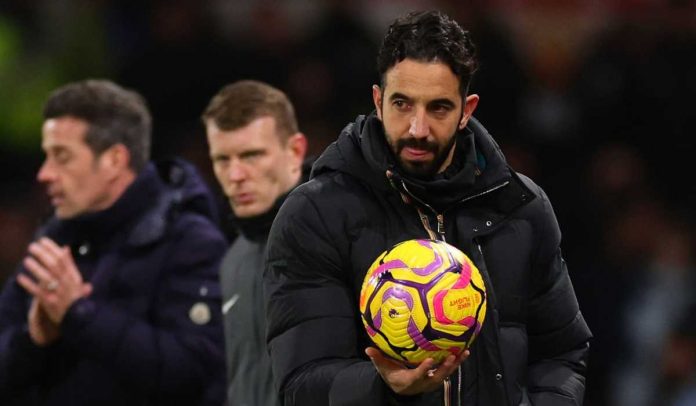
58	283
41	329
408	381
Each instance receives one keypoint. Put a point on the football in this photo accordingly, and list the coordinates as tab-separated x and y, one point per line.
421	299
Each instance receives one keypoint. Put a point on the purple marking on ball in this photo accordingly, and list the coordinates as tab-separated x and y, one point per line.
430	268
400	294
377	320
395	263
464	277
468	321
419	338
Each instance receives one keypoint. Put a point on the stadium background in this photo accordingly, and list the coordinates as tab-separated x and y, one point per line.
592	99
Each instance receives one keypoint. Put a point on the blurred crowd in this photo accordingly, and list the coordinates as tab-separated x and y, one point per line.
589	98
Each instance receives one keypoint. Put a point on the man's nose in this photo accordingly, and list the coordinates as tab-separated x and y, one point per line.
419	124
237	172
46	172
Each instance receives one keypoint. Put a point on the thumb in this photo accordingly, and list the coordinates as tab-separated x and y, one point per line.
372	352
426	365
87	289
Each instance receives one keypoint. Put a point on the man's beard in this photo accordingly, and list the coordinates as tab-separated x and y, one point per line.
421	169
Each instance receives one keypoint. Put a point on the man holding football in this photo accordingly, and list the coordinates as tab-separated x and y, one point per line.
421	167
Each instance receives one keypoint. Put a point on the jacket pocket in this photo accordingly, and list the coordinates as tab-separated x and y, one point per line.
514	347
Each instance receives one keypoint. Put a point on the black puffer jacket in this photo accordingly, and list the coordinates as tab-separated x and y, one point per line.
534	342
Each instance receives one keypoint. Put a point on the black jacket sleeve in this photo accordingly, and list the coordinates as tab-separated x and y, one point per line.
20	359
311	315
558	335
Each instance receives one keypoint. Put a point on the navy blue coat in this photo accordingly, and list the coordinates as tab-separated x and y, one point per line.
151	331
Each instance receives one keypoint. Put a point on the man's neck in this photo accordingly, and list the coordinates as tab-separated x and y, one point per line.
117	188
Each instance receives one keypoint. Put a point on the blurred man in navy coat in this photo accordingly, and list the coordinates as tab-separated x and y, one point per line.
117	300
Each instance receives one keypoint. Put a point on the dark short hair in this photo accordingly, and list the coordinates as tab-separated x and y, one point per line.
429	36
115	116
238	104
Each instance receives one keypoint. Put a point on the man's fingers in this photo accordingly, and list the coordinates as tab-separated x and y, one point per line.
382	361
42	275
42	255
425	377
375	354
87	289
448	366
445	369
62	256
424	367
64	263
29	285
372	352
50	246
56	260
71	266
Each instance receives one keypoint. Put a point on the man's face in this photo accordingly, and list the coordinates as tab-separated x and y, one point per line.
421	109
77	182
253	165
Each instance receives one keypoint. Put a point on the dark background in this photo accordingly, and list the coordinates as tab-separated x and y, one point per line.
592	99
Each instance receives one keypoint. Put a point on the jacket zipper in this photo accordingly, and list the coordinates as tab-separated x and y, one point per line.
424	217
492	301
426	224
447	385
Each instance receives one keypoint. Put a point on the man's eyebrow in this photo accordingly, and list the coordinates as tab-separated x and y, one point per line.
252	151
442	102
219	155
398	95
54	148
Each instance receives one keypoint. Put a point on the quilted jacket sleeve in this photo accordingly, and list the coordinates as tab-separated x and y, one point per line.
558	334
311	315
20	360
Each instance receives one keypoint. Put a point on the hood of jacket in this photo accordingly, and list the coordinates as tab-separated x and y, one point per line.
190	192
361	150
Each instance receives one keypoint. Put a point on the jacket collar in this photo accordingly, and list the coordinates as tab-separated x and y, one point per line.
101	225
143	210
257	228
362	151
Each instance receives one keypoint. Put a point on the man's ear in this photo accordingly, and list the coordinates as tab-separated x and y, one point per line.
470	105
297	147
377	99
115	160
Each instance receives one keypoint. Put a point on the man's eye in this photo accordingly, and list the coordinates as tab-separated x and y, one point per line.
61	158
400	104
221	160
252	156
441	108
